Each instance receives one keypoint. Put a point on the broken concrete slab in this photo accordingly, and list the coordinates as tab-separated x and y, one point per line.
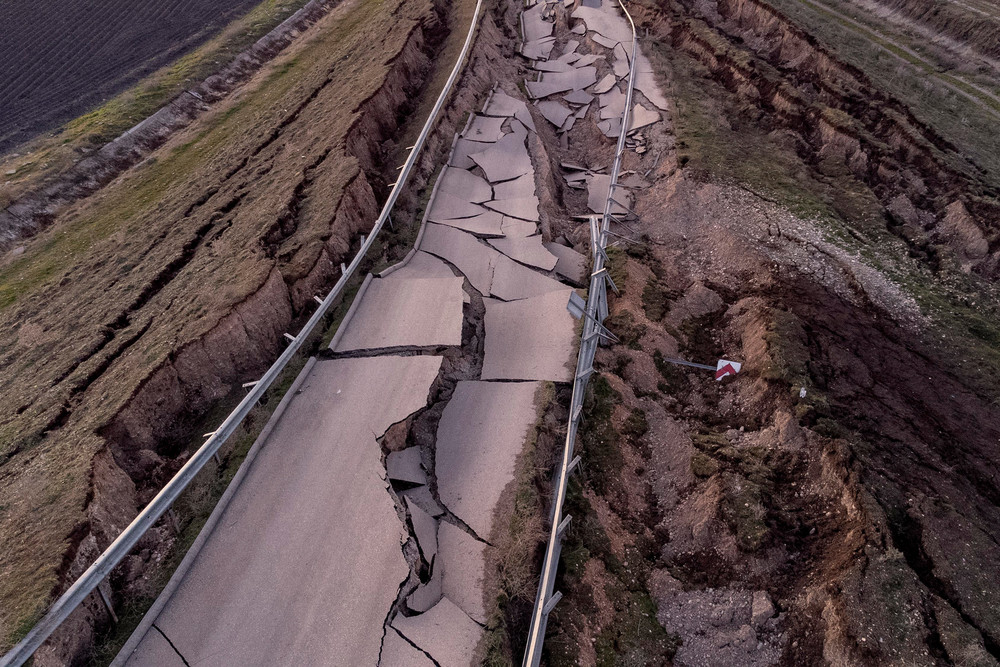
578	97
322	454
538	49
645	82
579	29
606	22
588	59
642	117
474	259
426	595
524	208
463	149
560	82
447	206
620	63
571	47
606	42
421	495
530	339
518	188
551	66
481	433
406	312
612	103
598	186
422	265
485	224
514	228
425	529
570	265
462	561
513	281
484	128
405	466
612	127
502	104
507	159
554	112
535	27
604	85
464	185
397	652
444	632
528	250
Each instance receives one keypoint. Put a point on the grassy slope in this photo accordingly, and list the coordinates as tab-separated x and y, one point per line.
918	83
50	154
58	299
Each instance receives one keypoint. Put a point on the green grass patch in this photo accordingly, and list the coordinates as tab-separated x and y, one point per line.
656	299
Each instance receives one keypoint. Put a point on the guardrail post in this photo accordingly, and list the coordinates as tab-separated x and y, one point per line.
174	521
553	601
563	525
107	604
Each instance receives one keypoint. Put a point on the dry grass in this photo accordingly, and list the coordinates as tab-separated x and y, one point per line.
82	317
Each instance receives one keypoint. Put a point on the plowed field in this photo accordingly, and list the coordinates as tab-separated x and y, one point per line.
59	58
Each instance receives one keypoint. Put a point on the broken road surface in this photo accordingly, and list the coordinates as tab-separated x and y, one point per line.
306	559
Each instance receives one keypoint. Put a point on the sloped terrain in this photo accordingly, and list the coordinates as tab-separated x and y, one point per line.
836	502
148	302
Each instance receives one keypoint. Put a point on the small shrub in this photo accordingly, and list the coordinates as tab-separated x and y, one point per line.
703	465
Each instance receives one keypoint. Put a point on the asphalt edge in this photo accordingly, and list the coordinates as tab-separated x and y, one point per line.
350	313
186	563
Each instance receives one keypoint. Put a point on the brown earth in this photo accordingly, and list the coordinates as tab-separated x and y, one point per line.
837	502
973	25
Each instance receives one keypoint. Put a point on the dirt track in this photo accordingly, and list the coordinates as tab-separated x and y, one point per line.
58	59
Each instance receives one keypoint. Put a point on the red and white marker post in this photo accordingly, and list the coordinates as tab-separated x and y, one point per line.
726	367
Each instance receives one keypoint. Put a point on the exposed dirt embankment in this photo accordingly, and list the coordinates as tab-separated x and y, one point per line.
246	340
835	503
227	233
33	211
843	123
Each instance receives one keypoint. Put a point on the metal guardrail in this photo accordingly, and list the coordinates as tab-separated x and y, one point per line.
124	543
593	329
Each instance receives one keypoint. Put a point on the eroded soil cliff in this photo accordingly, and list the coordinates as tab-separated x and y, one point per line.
837	501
